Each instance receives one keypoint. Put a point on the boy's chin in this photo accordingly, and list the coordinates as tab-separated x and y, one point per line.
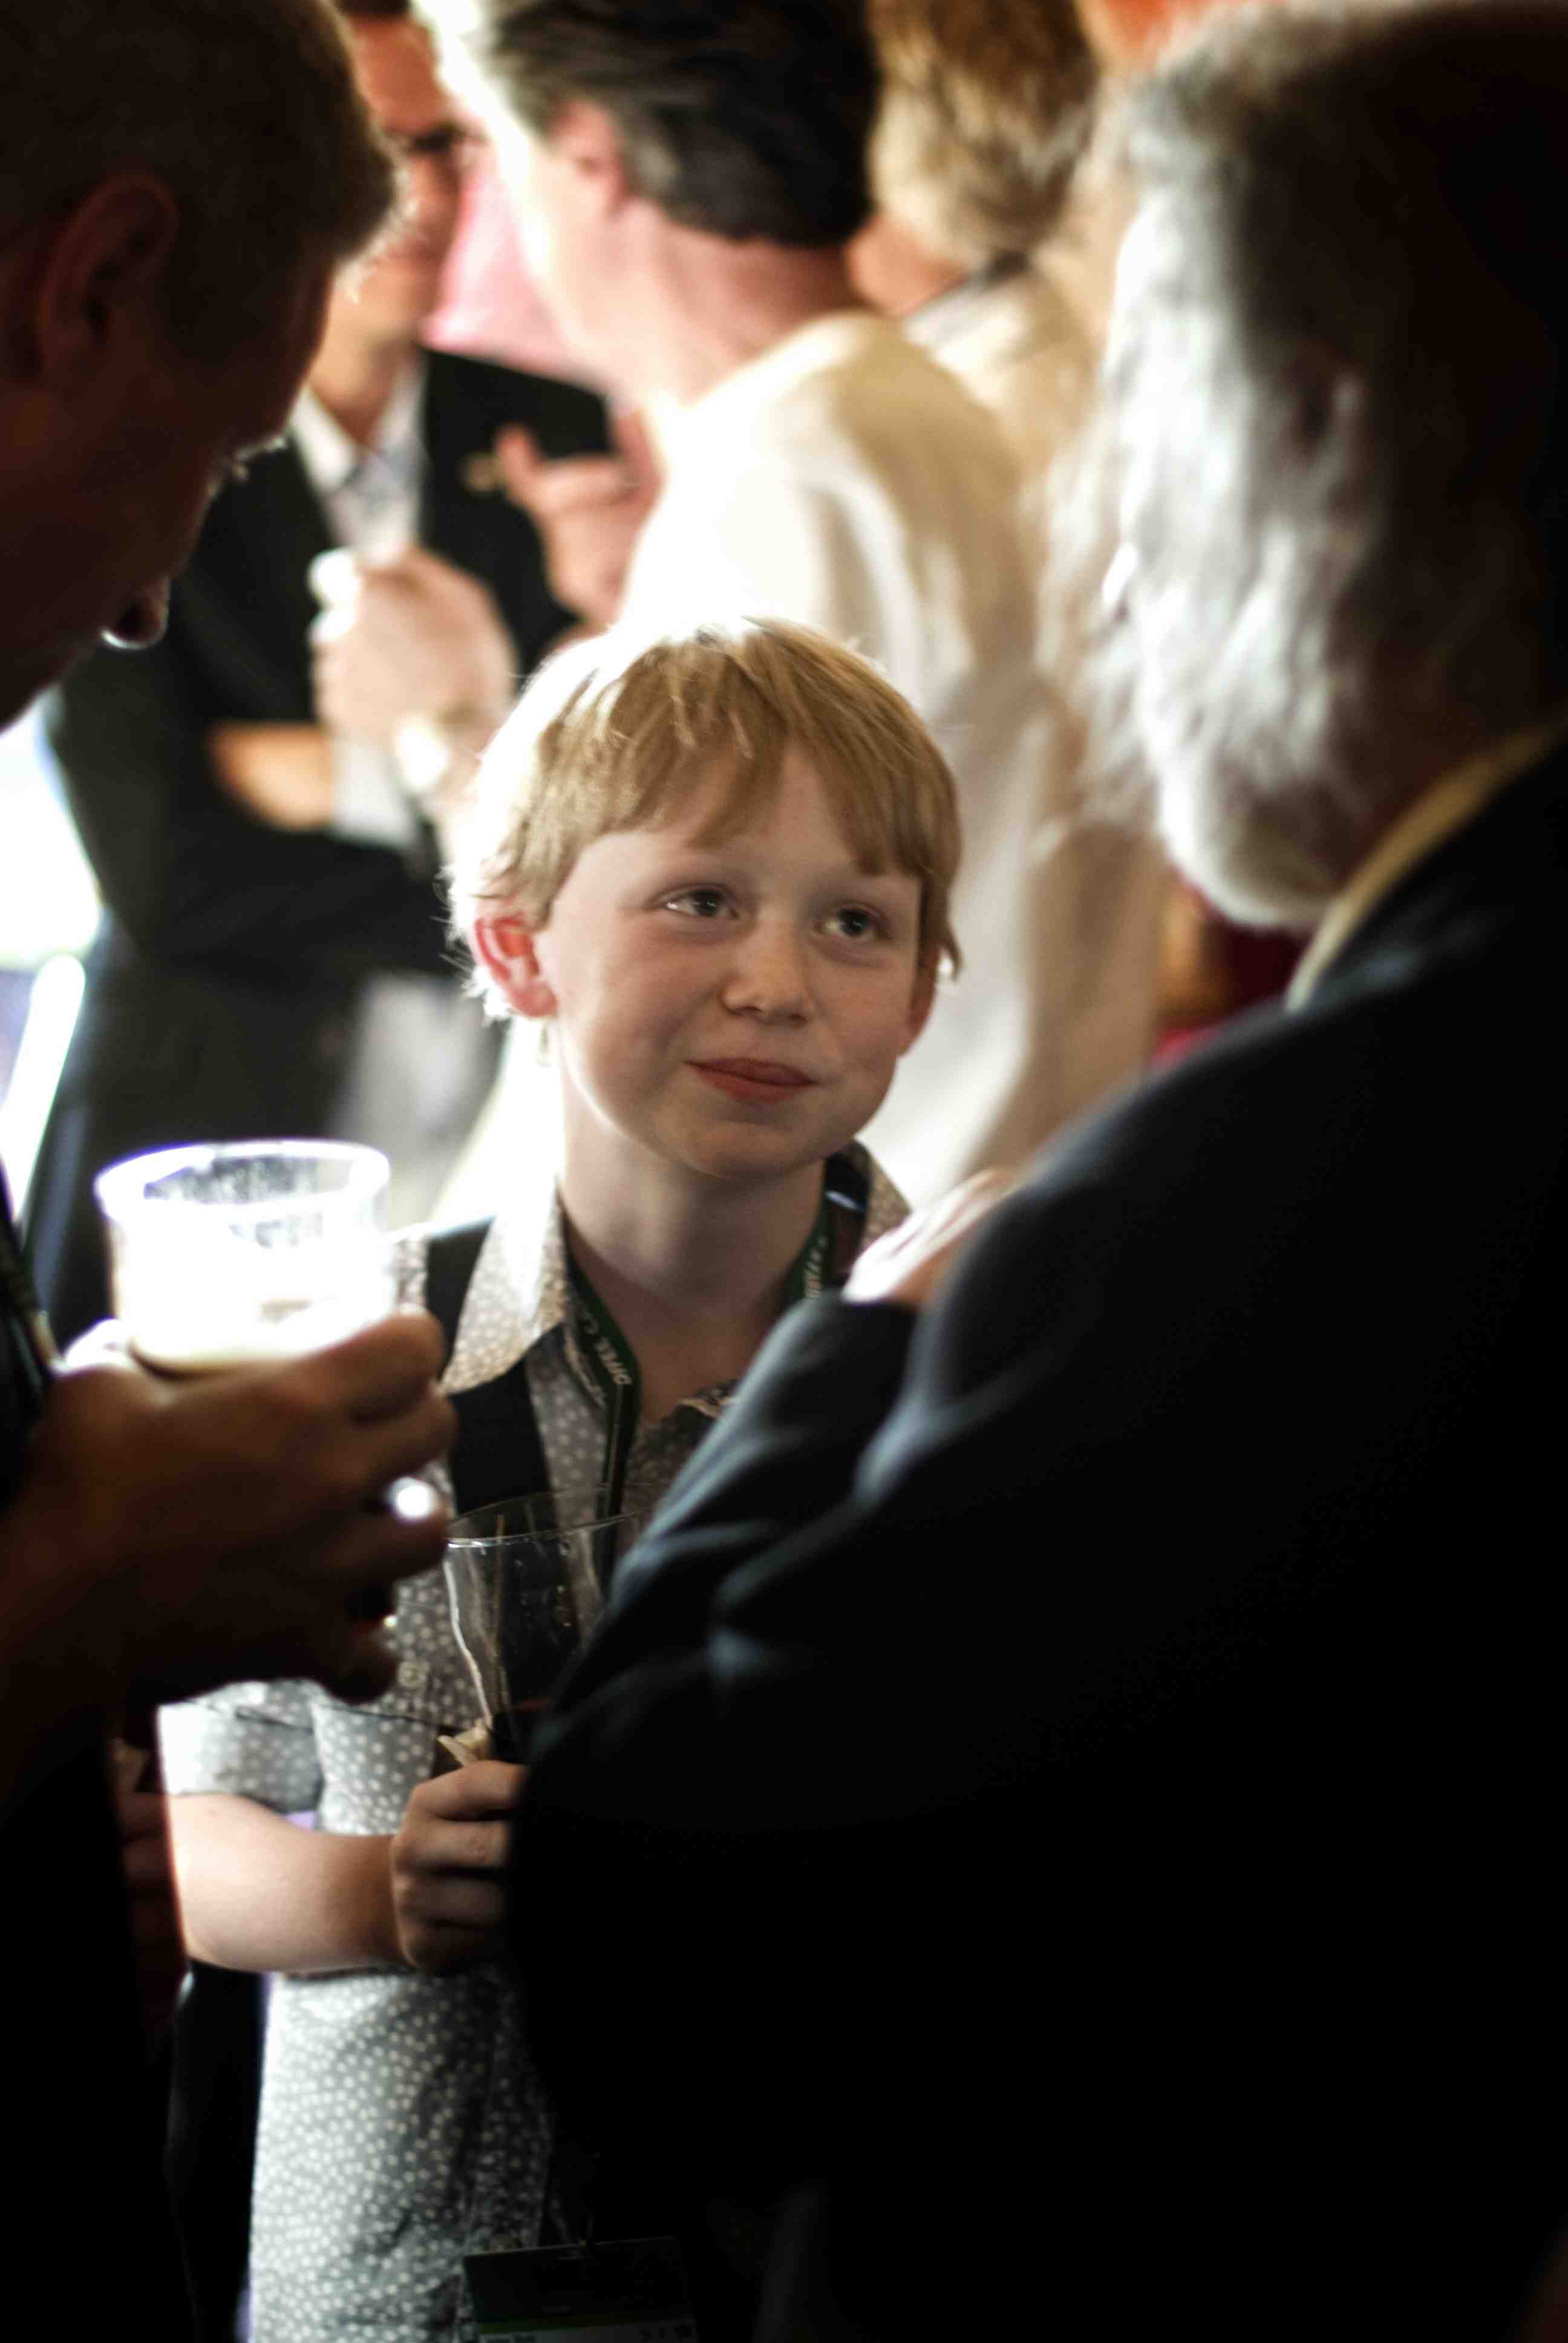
735	1164
756	1153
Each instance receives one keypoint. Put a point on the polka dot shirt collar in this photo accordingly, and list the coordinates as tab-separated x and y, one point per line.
520	1288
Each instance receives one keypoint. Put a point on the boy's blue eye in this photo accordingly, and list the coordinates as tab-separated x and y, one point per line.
700	902
856	922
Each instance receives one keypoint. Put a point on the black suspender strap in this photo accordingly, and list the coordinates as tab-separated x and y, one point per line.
450	1259
846	1200
498	1452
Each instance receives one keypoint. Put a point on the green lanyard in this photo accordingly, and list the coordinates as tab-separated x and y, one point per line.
612	1364
808	1270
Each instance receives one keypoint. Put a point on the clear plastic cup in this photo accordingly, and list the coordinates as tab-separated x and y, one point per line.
246	1254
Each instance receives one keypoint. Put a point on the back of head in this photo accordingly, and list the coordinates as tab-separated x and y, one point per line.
623	732
742	119
247	110
1335	376
985	109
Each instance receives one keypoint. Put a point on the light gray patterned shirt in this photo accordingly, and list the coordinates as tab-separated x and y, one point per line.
401	2124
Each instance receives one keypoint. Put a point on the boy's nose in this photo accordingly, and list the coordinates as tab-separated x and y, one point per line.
767	976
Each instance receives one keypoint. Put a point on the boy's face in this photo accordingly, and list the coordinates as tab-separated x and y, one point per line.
737	1009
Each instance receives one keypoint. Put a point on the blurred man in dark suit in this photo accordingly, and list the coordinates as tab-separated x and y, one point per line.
1064	1806
264	821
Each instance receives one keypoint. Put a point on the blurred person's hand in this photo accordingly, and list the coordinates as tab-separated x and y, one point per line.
448	1863
141	1817
416	638
588	511
172	1535
912	1263
282	773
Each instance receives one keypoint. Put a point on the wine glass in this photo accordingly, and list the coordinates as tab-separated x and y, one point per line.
525	1582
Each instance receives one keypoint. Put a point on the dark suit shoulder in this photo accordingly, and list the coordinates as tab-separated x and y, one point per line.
1502	877
465	514
566	418
1421	1045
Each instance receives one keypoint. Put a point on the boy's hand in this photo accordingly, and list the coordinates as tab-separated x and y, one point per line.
447	1862
912	1263
187	1533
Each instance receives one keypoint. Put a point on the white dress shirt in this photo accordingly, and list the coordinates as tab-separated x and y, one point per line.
370	496
1017	344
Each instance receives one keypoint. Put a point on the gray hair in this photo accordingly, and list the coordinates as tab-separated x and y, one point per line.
247	109
1332	430
741	118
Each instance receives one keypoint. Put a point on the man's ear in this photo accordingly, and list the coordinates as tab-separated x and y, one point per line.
920	1000
506	949
584	138
103	268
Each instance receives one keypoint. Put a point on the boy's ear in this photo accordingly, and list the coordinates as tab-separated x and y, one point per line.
505	946
920	1000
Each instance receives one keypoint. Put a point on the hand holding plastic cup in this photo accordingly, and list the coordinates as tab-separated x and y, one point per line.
251	1254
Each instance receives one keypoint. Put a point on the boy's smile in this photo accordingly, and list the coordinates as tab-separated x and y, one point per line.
761	1079
737	1008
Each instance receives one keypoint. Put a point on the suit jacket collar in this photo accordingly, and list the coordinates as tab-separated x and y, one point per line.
1507	857
1450	806
457	502
454	426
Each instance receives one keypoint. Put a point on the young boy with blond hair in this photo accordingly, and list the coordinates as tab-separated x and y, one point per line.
718	865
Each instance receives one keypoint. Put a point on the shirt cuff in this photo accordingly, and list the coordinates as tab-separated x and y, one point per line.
251	1741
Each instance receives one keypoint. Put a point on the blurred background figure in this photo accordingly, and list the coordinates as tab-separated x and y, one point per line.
986	107
272	957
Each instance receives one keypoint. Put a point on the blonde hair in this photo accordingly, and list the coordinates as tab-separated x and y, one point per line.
985	109
620	732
